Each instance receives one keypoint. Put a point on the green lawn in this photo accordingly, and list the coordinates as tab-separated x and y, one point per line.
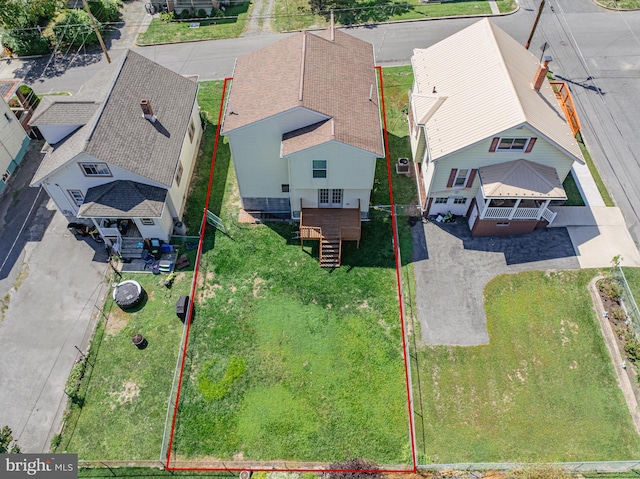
125	393
292	361
230	26
608	201
542	390
622	4
574	198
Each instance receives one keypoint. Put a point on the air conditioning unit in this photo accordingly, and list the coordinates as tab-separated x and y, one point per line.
402	166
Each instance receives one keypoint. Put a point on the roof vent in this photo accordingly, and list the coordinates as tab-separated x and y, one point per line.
147	111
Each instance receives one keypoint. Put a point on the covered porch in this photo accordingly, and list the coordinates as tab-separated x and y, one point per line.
330	226
514	198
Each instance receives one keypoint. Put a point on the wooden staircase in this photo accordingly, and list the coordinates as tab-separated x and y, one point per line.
330	252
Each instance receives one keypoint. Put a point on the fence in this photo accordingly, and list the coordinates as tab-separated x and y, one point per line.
627	300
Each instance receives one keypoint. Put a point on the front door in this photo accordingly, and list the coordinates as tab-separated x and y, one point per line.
328	198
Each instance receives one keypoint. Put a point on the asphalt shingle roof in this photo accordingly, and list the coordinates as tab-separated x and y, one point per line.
117	132
334	78
59	112
123	199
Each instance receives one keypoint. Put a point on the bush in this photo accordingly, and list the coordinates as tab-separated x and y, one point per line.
105	10
618	313
202	13
74	29
610	288
75	379
186	14
27	42
166	17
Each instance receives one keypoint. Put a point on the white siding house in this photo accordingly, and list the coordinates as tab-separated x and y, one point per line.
488	132
304	128
120	156
13	143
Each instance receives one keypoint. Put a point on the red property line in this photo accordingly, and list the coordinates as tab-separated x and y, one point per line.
397	261
398	265
203	225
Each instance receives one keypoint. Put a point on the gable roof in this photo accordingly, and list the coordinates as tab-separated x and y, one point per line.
116	132
335	78
520	178
483	79
123	199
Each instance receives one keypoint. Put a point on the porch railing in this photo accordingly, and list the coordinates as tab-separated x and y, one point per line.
549	215
499	213
526	213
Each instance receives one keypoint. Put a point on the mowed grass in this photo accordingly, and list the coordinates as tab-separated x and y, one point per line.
287	360
126	391
544	388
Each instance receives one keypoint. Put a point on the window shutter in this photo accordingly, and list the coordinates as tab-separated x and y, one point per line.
494	144
452	177
472	176
532	142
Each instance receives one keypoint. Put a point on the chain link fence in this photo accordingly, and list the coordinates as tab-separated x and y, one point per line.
627	301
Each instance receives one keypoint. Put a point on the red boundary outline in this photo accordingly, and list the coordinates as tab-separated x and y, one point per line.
401	309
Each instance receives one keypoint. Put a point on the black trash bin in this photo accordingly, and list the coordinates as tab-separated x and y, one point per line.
182	308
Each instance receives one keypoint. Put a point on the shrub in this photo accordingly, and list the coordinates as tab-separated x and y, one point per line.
186	14
74	29
75	378
166	17
618	313
202	13
610	288
27	42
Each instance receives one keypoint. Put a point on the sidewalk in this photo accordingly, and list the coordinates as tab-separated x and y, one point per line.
598	232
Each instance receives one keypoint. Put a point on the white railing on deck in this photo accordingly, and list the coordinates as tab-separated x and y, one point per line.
497	213
526	214
549	215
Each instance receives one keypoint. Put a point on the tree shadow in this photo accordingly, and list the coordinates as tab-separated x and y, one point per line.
371	11
55	65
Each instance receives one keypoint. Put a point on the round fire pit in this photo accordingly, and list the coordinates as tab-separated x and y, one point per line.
139	341
128	294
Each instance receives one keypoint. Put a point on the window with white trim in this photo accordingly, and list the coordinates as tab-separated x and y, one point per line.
179	173
319	168
147	221
192	130
516	144
461	178
77	196
95	169
459	201
441	201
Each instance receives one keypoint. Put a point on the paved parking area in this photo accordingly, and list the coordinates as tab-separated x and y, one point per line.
49	283
452	269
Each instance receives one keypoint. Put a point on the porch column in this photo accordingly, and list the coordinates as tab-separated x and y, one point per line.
485	207
513	210
542	208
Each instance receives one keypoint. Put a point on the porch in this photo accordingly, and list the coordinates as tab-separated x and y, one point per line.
330	226
513	208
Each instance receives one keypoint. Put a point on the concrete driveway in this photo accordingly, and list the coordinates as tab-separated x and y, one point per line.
452	269
49	283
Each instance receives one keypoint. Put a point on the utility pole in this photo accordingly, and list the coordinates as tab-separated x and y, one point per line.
535	24
95	29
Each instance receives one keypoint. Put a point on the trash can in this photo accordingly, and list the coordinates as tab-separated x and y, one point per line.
182	308
180	228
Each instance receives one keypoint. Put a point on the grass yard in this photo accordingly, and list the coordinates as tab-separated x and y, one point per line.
229	26
574	198
606	197
543	389
124	395
291	361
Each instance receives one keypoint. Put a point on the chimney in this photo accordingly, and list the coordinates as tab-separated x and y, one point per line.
541	74
332	27
147	111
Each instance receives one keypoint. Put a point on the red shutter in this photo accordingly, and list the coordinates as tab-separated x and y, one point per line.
494	145
452	177
472	176
532	142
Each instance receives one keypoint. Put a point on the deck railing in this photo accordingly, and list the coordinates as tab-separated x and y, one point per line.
549	215
499	213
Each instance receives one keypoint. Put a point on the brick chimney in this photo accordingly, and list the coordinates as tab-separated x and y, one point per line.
147	111
541	74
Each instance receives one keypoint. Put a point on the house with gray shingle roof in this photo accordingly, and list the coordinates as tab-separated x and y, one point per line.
121	153
303	124
488	133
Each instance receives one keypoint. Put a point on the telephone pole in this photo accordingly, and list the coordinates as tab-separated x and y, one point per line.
95	29
535	24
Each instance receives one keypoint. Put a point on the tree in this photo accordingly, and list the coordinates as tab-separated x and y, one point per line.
74	29
7	444
357	465
27	13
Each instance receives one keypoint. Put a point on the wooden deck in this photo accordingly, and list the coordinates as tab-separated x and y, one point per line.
330	226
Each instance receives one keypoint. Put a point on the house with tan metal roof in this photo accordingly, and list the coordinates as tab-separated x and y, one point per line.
489	133
303	124
120	154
